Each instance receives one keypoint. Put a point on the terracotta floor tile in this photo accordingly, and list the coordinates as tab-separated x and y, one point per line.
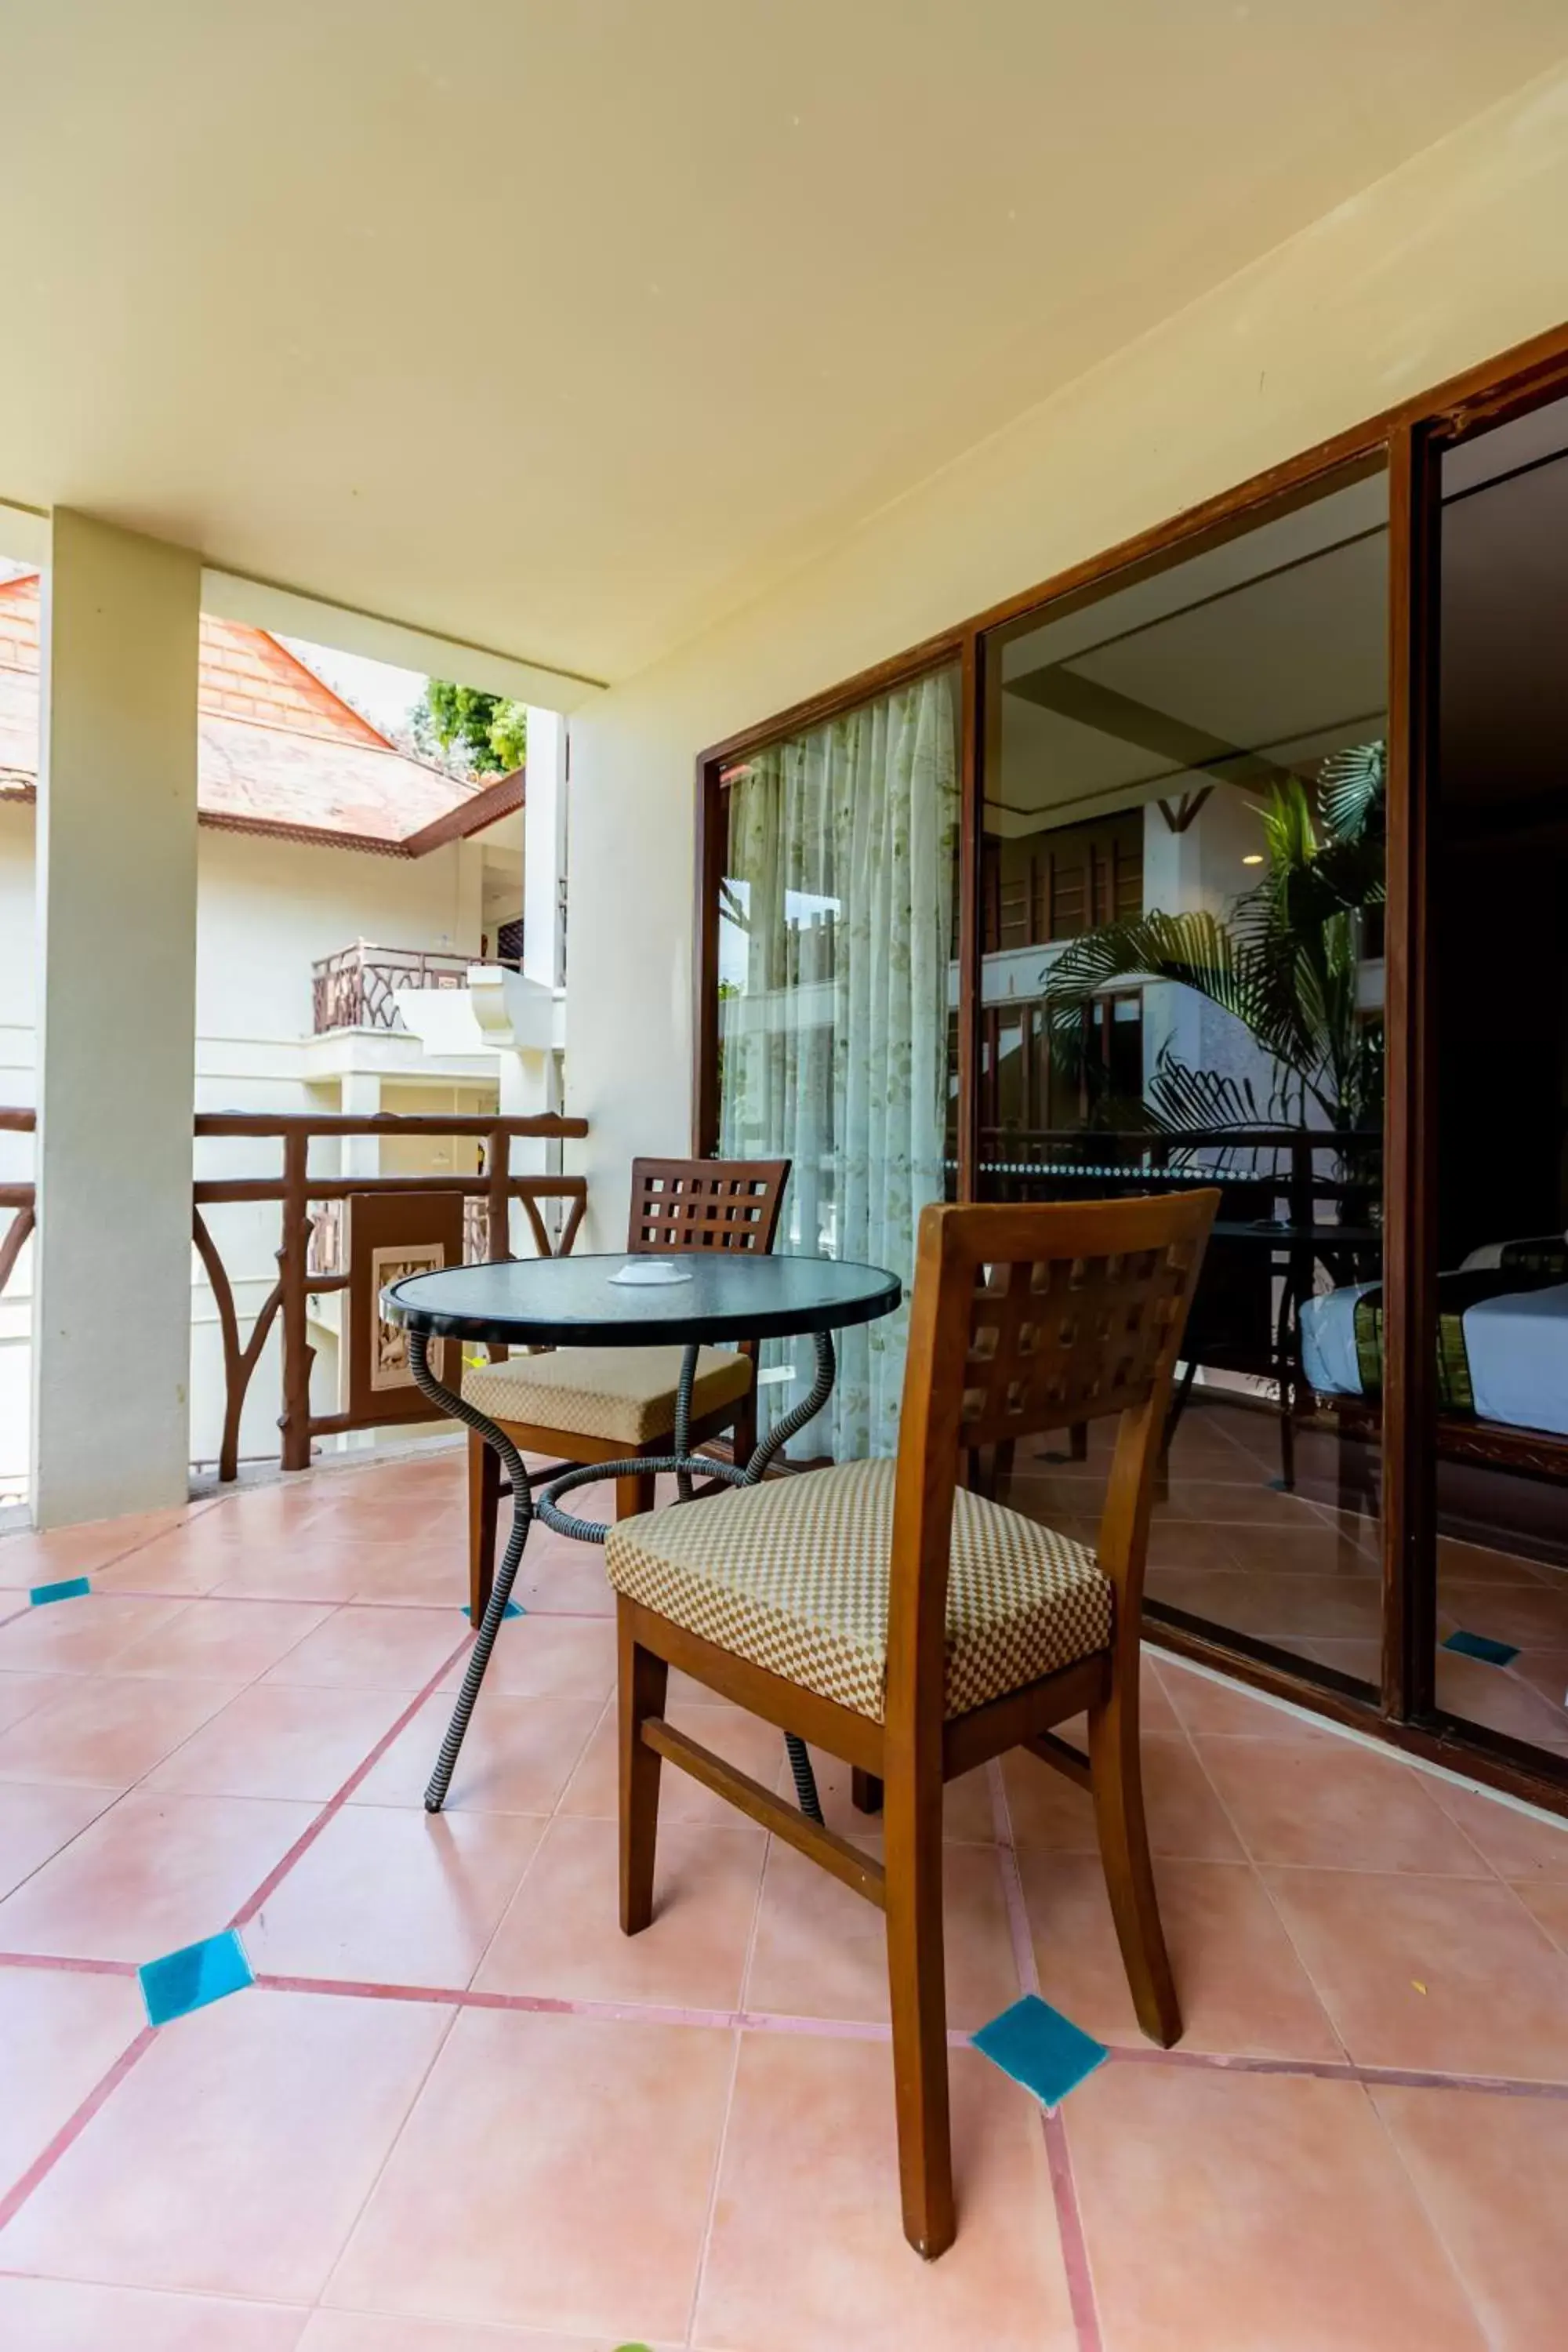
351	2331
1467	1563
394	1897
153	1874
1361	1658
269	2114
1489	2171
60	2316
172	1565
1546	1900
1274	1608
1179	1543
108	1729
329	1575
432	1575
1185	1815
1238	2213
24	1695
554	1657
1530	1616
1200	1703
34	1823
1312	1550
562	1936
60	2033
807	2252
1517	1844
821	1950
517	1757
743	1739
237	1638
279	1740
555	2173
1334	1805
1238	1500
1369	1942
1477	1693
1242	1989
1546	1670
84	1636
373	1649
567	1581
31	1559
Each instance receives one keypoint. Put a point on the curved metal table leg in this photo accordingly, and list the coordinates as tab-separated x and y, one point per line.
524	1510
459	1408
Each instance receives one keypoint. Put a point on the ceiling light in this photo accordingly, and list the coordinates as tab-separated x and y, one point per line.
1252	857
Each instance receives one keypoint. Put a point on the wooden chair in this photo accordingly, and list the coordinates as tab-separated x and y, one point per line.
916	1628
603	1405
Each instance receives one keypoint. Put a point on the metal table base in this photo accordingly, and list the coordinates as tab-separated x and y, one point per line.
681	1463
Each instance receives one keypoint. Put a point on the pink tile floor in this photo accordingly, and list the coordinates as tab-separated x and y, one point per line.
458	2113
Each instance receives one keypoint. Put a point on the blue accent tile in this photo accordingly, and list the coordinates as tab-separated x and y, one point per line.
189	1979
1481	1645
70	1588
512	1609
1040	2047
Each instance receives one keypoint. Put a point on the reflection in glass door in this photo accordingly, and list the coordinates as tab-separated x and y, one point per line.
1181	884
1499	890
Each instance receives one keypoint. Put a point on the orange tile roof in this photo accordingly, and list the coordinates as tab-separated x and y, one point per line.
277	751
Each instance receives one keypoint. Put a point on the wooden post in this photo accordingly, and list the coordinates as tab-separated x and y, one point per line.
294	1421
498	1169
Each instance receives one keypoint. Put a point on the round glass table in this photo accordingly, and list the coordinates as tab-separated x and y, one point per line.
689	1298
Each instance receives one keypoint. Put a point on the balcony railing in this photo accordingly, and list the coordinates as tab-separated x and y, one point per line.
356	988
309	1258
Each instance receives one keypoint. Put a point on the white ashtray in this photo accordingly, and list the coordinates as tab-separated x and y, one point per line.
651	1273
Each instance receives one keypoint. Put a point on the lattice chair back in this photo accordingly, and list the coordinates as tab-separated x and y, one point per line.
723	1204
1025	1320
1088	1322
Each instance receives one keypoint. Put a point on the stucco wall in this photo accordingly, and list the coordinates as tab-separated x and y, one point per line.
265	910
1454	257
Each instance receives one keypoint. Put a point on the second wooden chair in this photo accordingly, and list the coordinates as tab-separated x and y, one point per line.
603	1404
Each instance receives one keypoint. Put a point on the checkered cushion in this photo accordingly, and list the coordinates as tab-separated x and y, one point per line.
794	1576
624	1395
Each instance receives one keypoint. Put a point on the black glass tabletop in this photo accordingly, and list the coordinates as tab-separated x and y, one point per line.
576	1302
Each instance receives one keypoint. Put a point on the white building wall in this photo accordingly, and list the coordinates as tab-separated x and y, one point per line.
1454	257
266	909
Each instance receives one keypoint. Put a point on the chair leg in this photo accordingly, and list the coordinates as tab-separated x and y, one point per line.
633	1494
484	1505
865	1790
1117	1779
643	1678
916	1979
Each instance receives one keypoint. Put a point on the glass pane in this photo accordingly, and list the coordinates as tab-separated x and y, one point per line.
837	982
1182	879
1499	879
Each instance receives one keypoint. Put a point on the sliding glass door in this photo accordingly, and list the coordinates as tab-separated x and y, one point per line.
1182	893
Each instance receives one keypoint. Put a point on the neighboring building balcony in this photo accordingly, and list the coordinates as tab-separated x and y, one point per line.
357	988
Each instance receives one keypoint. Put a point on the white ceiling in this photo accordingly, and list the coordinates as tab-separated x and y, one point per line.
561	326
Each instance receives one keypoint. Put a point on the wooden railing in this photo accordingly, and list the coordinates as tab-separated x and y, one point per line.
296	1192
357	988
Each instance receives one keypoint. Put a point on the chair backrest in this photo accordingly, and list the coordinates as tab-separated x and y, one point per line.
726	1204
1026	1320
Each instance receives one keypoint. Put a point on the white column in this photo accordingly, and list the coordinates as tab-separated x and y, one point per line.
117	916
544	850
360	1098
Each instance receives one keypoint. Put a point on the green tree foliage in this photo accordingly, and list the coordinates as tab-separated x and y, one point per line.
487	732
1284	963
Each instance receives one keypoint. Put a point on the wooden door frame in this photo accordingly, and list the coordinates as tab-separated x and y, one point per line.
1407	439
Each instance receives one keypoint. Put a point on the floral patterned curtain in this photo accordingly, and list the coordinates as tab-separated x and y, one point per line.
835	979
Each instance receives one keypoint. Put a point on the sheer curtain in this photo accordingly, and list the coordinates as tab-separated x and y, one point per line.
835	977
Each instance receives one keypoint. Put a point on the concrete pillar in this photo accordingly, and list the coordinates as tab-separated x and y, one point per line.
545	851
360	1098
117	917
